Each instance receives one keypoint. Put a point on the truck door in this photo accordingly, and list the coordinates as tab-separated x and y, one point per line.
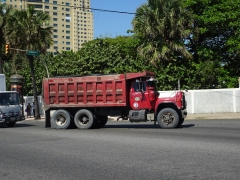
139	96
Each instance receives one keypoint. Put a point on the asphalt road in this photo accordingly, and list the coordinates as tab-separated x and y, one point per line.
200	149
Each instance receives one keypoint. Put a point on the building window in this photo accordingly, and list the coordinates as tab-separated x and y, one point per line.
46	7
55	36
54	2
46	1
67	26
55	25
55	30
67	4
67	37
67	9
67	32
67	15
67	43
68	20
68	48
54	8
54	19
38	6
55	47
55	42
55	13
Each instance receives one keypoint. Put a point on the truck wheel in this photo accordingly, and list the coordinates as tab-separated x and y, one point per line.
84	119
61	119
101	121
168	118
181	120
10	124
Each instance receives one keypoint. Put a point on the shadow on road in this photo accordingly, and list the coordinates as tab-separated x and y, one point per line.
17	125
139	126
187	125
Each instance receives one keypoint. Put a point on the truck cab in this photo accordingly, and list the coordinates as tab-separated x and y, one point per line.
147	104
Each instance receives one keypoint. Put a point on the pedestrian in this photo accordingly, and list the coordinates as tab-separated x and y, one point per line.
33	108
29	108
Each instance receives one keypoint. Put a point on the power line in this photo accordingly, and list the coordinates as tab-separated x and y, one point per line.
111	11
103	10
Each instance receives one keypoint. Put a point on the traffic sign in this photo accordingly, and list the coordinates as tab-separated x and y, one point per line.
33	53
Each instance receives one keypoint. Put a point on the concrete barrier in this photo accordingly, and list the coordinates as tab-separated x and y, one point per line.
211	100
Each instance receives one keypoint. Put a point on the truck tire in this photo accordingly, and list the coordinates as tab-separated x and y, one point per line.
61	119
181	120
101	121
10	124
84	119
168	118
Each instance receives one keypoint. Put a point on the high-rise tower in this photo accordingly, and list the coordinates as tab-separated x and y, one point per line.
72	21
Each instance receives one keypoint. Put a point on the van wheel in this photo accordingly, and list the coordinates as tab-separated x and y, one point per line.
61	119
84	119
168	118
10	124
101	121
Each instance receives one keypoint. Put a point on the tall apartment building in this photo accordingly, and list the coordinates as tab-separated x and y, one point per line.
71	20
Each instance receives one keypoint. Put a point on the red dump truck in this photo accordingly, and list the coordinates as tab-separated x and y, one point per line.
87	101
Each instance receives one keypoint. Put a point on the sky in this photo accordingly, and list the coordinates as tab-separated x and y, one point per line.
113	24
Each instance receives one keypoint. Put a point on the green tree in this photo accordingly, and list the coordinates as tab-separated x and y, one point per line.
162	27
216	33
26	30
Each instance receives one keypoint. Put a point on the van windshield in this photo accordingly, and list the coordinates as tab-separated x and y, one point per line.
9	98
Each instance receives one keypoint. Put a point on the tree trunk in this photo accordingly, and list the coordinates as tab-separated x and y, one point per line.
37	114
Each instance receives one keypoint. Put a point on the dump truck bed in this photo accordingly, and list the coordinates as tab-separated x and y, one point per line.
103	90
88	91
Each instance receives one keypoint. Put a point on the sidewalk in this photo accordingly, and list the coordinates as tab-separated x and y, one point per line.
189	116
214	116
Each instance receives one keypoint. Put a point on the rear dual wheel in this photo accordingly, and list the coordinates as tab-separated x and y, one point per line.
84	119
101	120
61	119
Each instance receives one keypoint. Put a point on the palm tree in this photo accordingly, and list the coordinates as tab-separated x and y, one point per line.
162	26
26	30
4	15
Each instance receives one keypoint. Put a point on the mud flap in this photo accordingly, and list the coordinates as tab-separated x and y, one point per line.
47	119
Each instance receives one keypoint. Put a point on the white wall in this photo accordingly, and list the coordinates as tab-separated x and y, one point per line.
30	99
212	100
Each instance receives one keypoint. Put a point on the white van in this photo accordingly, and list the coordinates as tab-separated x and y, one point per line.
10	107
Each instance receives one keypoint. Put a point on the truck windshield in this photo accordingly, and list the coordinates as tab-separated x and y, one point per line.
10	98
